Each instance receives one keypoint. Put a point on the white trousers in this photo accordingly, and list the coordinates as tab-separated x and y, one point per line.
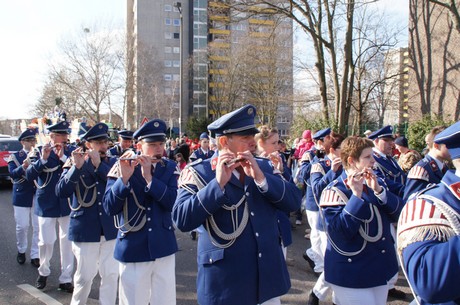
369	296
46	239
91	258
151	282
318	242
23	217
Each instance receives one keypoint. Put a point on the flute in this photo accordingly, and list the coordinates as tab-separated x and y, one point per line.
233	161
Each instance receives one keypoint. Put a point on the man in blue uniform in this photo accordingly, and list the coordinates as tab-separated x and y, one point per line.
50	208
125	142
91	230
428	233
140	193
23	197
430	169
386	167
233	198
203	152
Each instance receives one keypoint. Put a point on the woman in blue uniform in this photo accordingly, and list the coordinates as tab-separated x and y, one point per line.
358	208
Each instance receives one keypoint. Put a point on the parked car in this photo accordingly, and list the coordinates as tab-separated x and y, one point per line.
7	147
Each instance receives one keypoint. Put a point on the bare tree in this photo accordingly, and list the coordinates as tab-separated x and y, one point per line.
91	72
452	6
434	61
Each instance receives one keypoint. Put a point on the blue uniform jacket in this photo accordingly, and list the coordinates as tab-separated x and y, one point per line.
116	151
155	238
23	189
320	176
426	171
429	245
87	224
388	169
367	263
252	269
200	154
310	203
47	176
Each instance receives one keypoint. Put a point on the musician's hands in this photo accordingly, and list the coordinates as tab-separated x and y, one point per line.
95	157
336	164
46	151
59	149
146	166
224	172
78	157
355	183
250	166
371	180
127	166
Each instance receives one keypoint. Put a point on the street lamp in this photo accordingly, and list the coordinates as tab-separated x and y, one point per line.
178	5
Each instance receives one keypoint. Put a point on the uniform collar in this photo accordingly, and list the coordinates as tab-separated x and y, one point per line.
378	152
438	162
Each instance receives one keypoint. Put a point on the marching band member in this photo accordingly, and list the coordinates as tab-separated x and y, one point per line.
140	193
125	142
323	172
23	198
91	230
358	209
430	169
50	208
386	167
428	233
203	152
233	198
267	147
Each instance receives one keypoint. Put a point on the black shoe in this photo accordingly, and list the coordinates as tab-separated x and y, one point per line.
35	262
396	294
67	287
41	282
21	258
193	235
312	299
310	262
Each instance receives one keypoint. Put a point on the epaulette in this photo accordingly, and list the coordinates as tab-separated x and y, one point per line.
418	172
115	171
421	220
331	196
68	163
317	168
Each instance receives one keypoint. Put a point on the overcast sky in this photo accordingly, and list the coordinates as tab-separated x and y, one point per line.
30	31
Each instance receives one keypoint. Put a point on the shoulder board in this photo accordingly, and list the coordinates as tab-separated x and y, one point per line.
115	171
317	168
306	156
330	197
418	172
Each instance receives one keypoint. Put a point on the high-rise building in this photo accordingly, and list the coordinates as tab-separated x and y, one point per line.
229	58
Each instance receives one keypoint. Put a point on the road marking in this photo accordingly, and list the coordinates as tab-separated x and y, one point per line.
39	295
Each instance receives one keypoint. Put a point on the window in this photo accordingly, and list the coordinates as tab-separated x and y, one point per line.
168	49
176	50
167	77
167	63
176	36
168	8
176	22
176	63
167	21
168	35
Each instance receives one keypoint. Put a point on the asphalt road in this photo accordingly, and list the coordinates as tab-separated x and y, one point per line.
17	281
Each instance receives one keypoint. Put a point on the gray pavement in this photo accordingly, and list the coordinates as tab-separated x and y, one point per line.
17	281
